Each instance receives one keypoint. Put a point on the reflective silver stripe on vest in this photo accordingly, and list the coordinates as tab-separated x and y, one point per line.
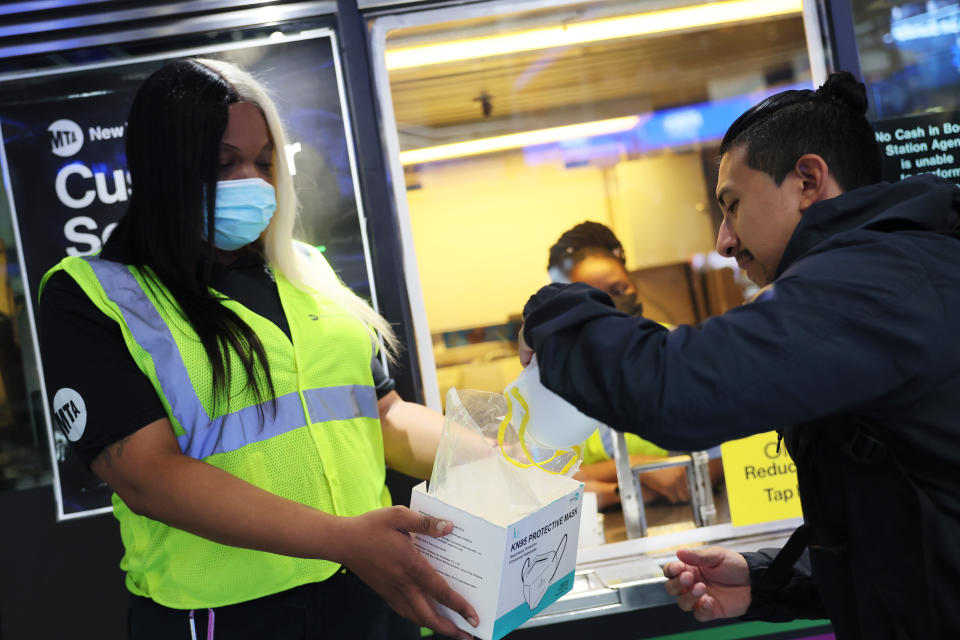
206	436
341	403
606	438
240	428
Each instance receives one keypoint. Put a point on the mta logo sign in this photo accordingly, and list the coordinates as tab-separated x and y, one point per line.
66	138
69	413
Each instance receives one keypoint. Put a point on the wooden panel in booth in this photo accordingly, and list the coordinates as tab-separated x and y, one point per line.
487	366
676	294
669	293
720	291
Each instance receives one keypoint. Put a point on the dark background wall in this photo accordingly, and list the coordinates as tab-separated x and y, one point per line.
58	580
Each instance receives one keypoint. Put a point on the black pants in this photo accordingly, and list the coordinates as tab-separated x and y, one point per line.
339	607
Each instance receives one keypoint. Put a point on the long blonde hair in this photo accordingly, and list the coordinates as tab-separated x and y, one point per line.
281	252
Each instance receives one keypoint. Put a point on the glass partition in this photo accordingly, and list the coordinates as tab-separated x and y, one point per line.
909	55
910	60
512	122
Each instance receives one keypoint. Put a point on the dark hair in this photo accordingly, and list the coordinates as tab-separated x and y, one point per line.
177	120
582	236
829	122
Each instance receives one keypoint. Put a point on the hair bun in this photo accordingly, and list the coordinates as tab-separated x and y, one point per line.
844	88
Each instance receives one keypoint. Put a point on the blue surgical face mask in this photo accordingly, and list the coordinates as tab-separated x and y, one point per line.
243	210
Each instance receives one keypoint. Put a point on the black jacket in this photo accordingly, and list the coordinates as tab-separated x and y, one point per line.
860	329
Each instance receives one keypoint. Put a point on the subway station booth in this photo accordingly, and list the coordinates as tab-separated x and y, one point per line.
440	149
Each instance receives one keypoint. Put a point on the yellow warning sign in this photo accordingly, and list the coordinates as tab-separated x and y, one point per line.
761	482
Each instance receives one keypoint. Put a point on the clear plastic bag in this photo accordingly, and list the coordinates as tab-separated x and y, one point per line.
482	467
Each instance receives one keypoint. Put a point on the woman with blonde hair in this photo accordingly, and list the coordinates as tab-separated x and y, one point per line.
230	391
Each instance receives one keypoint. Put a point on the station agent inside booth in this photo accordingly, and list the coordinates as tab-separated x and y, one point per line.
590	252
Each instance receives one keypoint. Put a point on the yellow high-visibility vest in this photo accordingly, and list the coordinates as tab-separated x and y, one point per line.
320	444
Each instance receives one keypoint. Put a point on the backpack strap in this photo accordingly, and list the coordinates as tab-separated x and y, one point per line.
860	445
857	442
781	568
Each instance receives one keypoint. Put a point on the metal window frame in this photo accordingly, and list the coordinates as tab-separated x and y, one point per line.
222	18
840	38
123	15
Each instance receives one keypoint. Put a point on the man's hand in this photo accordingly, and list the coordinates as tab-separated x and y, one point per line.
526	353
712	583
378	548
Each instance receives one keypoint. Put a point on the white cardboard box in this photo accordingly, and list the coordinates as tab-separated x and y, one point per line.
507	573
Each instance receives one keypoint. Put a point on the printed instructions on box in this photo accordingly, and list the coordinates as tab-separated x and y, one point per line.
455	556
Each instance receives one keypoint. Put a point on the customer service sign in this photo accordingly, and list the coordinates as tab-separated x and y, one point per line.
66	187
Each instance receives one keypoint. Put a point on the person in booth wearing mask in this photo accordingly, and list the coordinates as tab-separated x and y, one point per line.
590	252
231	392
850	349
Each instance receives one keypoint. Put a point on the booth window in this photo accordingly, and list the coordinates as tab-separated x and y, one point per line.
512	127
909	54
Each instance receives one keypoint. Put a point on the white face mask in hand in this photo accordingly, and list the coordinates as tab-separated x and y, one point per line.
243	210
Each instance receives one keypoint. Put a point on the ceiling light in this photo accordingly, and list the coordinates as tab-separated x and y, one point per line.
517	140
702	15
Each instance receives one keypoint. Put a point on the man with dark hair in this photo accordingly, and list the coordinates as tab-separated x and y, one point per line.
828	122
850	351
